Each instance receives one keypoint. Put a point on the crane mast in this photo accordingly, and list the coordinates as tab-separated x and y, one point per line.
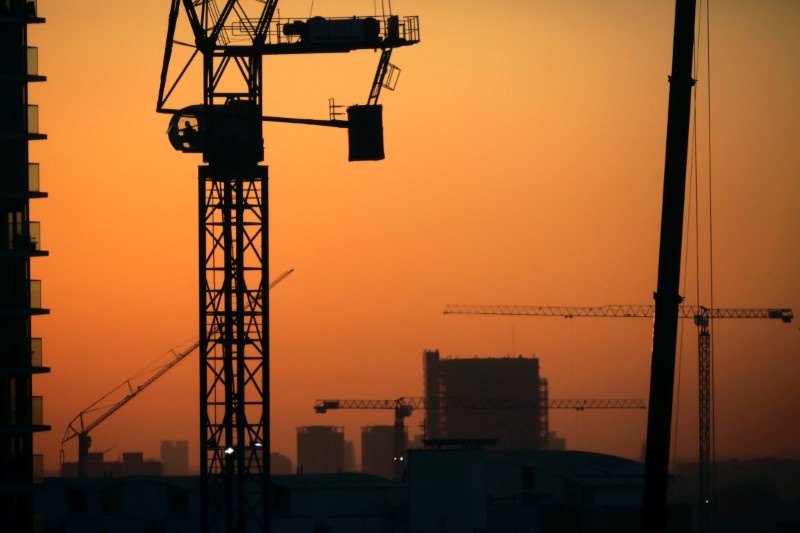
667	296
233	222
702	317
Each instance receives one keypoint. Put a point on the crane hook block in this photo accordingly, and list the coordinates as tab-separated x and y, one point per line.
365	132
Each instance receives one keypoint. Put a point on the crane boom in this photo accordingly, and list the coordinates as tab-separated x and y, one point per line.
280	278
73	431
404	406
77	428
621	311
419	402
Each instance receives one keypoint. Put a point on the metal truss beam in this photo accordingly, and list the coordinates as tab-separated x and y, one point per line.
234	360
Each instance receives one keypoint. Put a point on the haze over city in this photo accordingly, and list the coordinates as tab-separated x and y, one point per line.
525	157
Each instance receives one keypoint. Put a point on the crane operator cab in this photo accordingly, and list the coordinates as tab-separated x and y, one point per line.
222	133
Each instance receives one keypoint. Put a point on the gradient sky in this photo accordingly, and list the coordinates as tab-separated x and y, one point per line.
524	165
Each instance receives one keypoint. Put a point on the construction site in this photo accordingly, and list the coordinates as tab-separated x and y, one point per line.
255	179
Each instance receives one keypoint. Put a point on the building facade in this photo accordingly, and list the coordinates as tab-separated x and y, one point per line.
320	449
175	457
129	464
377	451
20	296
519	424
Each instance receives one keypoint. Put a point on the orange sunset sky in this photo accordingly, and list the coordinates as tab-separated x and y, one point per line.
524	164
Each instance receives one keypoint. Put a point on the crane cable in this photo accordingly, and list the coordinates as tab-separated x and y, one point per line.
711	271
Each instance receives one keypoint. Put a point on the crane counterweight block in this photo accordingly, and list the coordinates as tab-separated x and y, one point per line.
365	132
785	315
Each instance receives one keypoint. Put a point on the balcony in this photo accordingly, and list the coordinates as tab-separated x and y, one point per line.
33	177
36	352
36	298
25	240
37	411
33	119
33	61
38	468
32	241
25	11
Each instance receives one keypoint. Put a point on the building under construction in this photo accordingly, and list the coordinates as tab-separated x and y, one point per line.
20	296
522	427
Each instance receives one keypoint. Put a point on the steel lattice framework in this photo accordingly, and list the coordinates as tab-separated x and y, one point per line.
629	311
234	374
233	262
226	129
420	402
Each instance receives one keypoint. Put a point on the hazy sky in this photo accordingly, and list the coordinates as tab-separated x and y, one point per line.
524	165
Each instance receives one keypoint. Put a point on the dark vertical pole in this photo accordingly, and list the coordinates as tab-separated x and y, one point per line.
667	297
229	335
399	436
267	351
241	363
202	325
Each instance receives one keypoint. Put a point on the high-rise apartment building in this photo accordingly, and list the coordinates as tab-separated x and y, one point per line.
320	449
20	296
486	378
377	451
175	457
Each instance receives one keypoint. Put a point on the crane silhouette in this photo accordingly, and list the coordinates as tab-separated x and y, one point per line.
701	316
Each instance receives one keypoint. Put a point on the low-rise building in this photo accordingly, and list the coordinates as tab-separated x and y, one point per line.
447	490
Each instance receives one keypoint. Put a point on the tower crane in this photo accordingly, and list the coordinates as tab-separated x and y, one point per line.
701	316
228	39
403	408
80	426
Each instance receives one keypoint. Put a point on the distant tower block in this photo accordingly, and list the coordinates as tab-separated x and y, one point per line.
377	451
320	449
486	377
175	457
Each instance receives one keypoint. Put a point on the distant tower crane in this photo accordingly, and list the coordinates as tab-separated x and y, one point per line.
404	407
700	315
233	223
80	426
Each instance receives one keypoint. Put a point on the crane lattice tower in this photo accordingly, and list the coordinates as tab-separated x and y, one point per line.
233	220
